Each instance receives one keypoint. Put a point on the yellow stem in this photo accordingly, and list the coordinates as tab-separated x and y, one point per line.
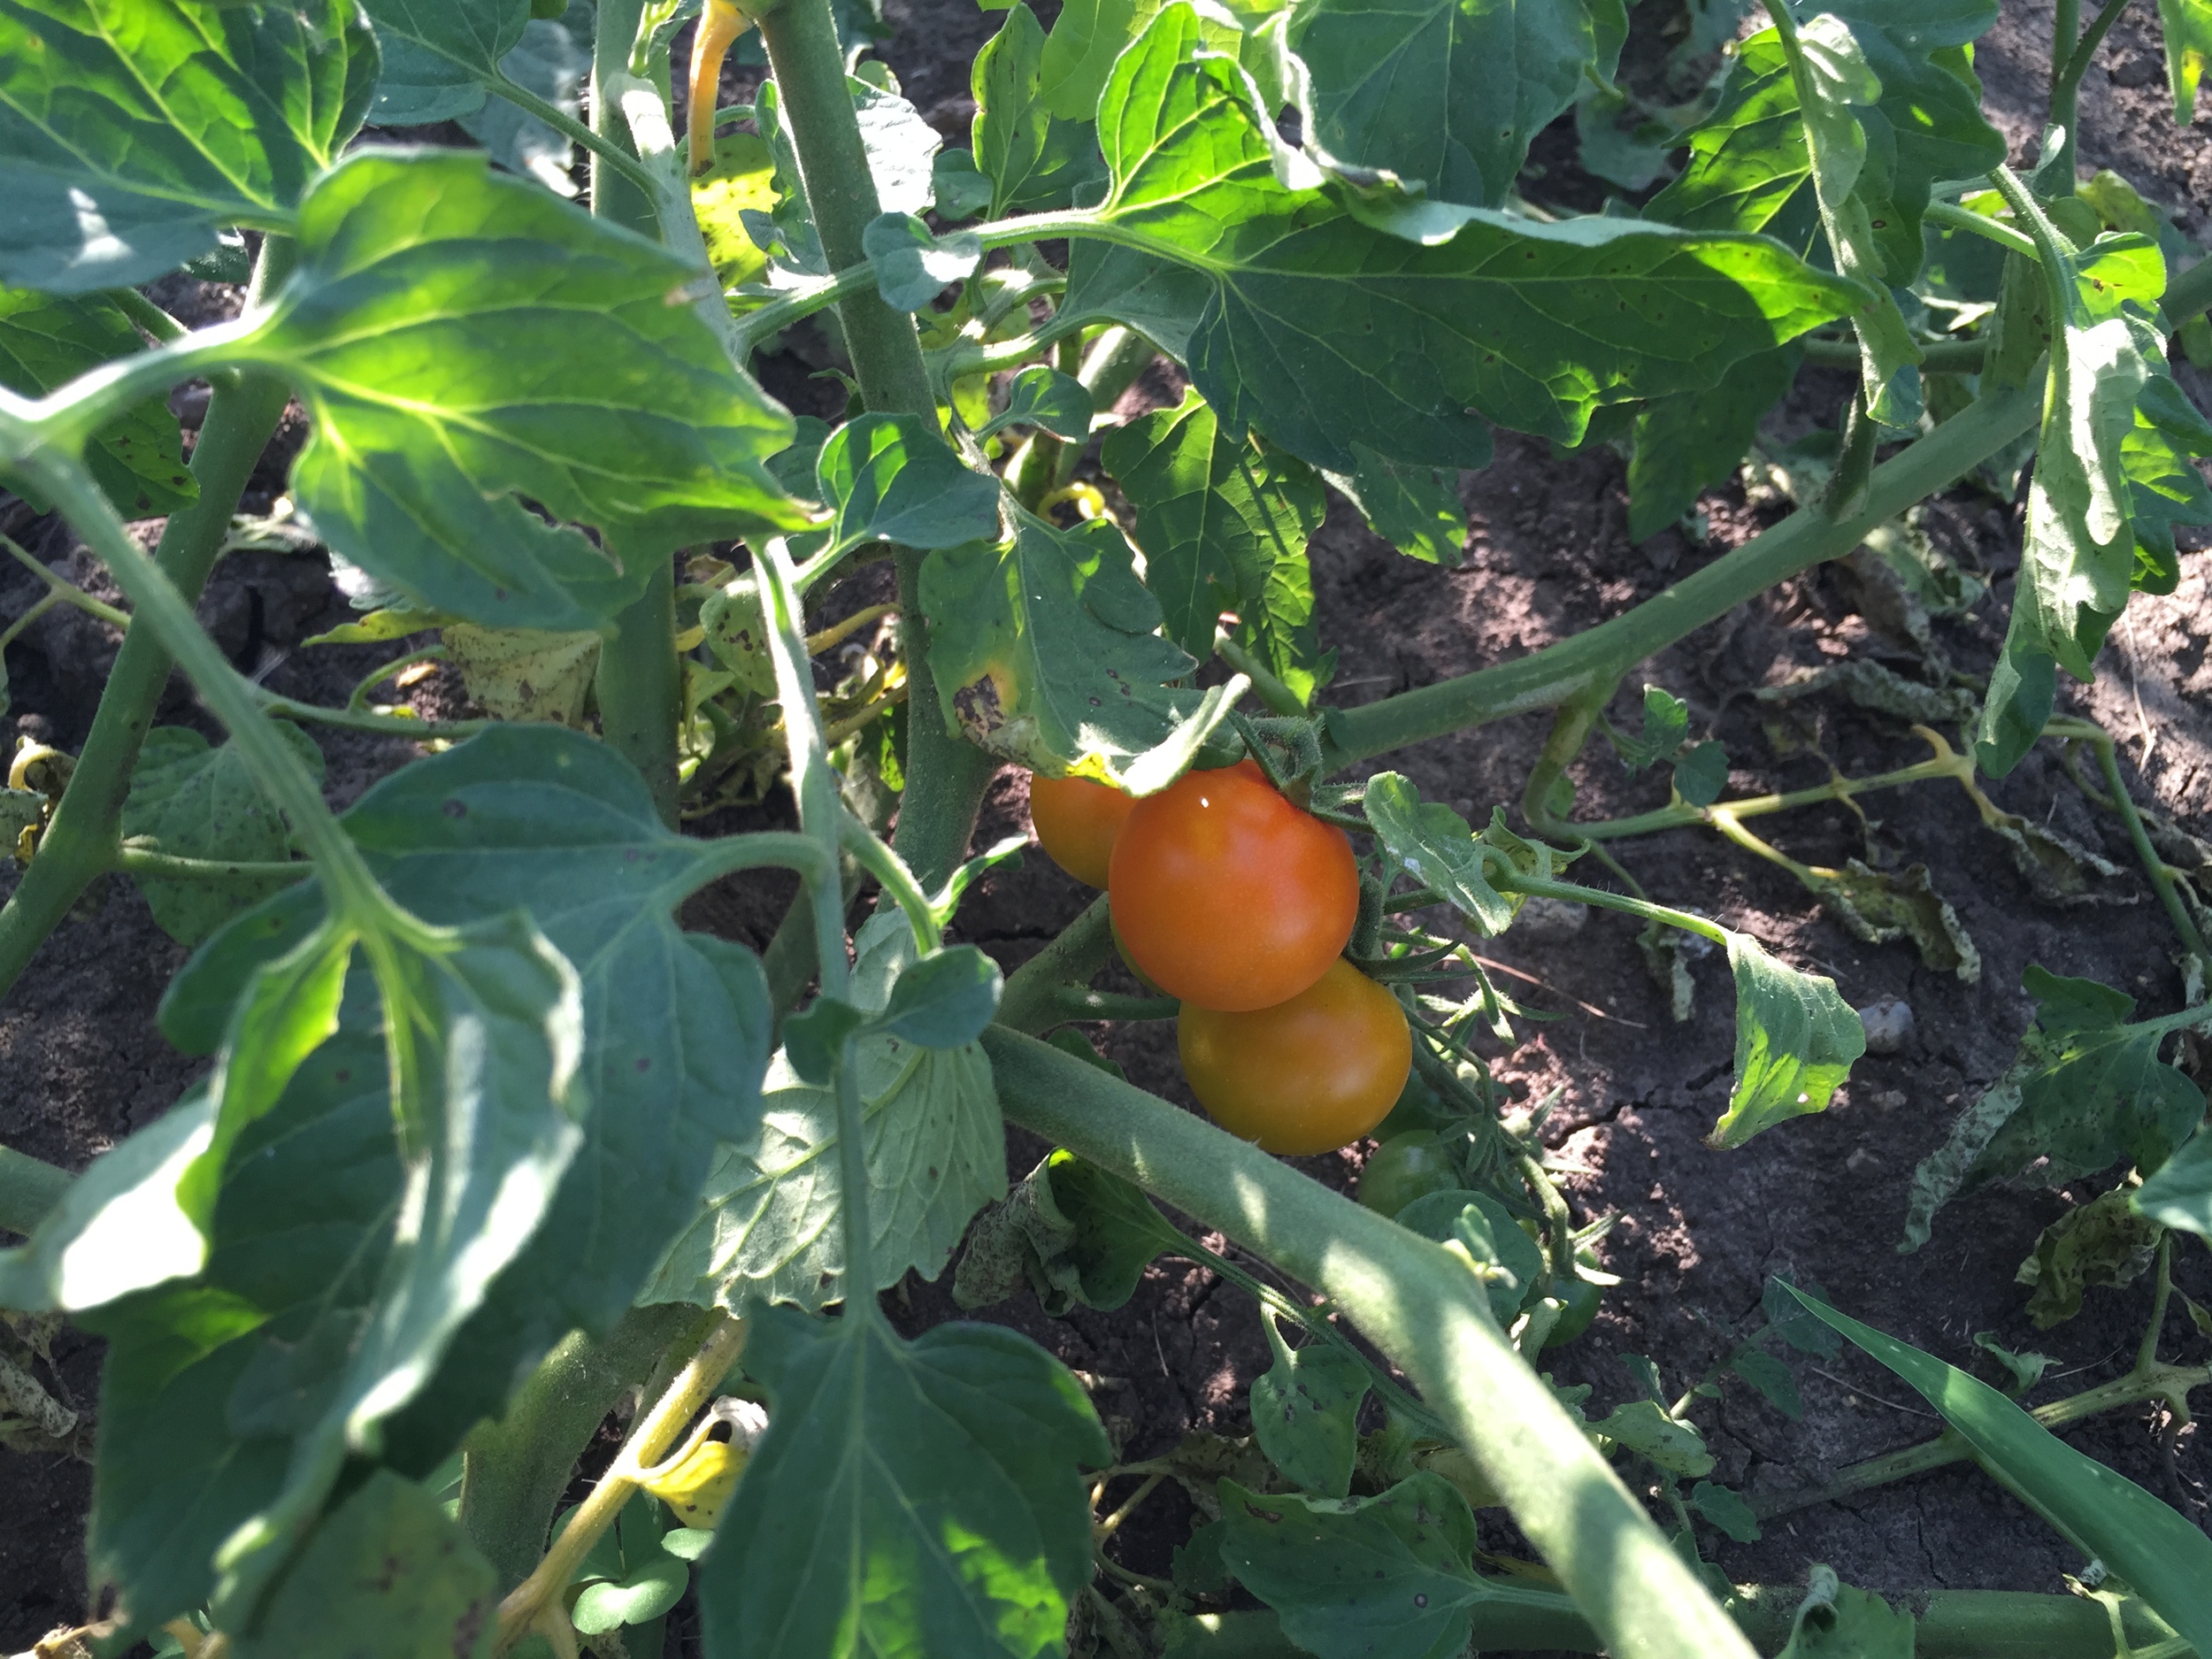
694	1387
719	26
838	632
839	730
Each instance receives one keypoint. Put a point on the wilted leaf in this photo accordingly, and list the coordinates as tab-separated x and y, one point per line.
1837	1622
1882	905
2086	1090
2103	1242
523	674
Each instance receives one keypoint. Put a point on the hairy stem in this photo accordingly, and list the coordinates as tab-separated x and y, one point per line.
617	192
1600	656
945	773
78	845
1421	1306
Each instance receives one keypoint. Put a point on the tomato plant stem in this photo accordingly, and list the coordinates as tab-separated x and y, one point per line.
1600	656
242	416
2161	876
1030	999
617	192
640	687
1420	1305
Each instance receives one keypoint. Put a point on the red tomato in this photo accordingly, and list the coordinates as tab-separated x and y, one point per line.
1309	1075
1227	895
1076	822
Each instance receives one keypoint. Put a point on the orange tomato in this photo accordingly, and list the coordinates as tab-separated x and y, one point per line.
1228	896
1076	822
1309	1075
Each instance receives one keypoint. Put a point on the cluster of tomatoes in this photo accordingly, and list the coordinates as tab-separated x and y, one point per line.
1229	897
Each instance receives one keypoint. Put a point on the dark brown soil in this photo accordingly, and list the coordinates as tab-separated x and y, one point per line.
81	1063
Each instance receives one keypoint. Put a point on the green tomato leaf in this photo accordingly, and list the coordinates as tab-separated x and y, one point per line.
454	334
1390	1574
913	266
303	1225
1771	1378
893	478
960	190
768	1226
46	340
194	800
2162	1556
944	1000
549	62
1223	525
1034	160
391	1569
1446	93
1795	1041
1415	509
1728	1511
439	55
906	1492
1044	396
1486	1229
1305	1413
108	182
1452	333
2180	1194
2187	27
2086	1090
1045	651
1434	846
1646	1427
1700	776
814	1038
1666	724
641	1597
676	1024
1687	443
1160	299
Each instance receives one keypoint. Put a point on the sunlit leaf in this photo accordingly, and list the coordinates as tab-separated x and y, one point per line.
1477	327
524	674
893	478
1033	160
1415	509
963	1529
2180	1194
478	356
2187	27
99	190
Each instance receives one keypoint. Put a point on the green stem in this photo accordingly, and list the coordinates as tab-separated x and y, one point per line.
29	1187
148	316
1072	1003
1421	1306
1280	698
65	592
1573	894
145	864
242	416
2154	866
1941	356
945	773
1569	731
615	193
1029	1001
640	687
2169	1383
1981	224
1602	655
2161	1295
1946	764
2066	79
604	149
514	1471
358	700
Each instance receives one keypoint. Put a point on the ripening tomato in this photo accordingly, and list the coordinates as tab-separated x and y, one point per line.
1076	822
1309	1075
1227	895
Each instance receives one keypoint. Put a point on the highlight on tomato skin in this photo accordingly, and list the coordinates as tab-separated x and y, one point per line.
1306	1076
1227	895
1076	823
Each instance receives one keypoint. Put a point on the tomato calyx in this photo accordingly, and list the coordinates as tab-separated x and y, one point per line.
1288	749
